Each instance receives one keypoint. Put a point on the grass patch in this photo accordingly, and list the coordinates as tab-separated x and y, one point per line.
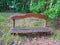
3	19
56	34
7	37
27	23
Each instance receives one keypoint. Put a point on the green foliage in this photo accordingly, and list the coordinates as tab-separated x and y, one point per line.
37	7
50	13
19	5
3	5
48	7
53	12
57	9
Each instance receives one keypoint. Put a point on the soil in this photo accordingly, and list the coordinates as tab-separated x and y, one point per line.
43	40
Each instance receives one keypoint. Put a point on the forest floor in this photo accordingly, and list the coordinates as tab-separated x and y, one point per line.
37	40
43	40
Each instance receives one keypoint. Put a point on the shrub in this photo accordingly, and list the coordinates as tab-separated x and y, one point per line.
37	7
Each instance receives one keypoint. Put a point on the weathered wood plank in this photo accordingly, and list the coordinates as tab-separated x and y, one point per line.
40	16
29	30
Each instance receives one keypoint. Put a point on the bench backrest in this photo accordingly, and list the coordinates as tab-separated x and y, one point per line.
40	16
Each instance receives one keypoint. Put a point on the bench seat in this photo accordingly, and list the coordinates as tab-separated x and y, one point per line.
29	30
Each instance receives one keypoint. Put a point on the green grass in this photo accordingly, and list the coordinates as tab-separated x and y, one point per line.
6	13
4	16
7	37
2	19
56	35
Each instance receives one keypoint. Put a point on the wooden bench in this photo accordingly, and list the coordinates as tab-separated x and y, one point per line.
29	30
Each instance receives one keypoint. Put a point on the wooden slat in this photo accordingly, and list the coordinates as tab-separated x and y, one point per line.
29	30
30	15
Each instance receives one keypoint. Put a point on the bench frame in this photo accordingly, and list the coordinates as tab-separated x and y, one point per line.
40	16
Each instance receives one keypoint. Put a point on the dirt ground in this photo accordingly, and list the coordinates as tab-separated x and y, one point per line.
43	40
